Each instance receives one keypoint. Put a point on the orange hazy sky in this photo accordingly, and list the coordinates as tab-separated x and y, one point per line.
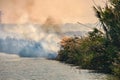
66	11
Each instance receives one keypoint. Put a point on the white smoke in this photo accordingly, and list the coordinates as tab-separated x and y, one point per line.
32	40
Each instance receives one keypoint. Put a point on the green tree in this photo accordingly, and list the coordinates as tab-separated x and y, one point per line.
110	19
109	16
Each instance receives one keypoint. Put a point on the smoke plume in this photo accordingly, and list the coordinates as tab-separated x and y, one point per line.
32	40
52	25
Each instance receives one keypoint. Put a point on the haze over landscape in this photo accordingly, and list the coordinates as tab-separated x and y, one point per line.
36	11
54	19
39	38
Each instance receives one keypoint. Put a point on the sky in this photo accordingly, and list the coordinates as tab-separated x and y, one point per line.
37	11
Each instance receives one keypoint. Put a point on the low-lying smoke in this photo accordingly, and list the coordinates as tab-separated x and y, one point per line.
33	40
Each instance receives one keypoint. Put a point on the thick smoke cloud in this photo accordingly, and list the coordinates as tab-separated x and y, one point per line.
31	40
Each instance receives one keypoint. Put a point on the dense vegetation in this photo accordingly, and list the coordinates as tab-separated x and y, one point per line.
99	51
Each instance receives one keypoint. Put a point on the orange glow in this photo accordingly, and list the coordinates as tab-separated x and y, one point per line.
36	11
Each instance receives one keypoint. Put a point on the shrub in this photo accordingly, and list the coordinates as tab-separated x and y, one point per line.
92	52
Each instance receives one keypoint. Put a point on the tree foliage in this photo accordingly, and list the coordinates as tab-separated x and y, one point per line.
109	16
98	51
110	19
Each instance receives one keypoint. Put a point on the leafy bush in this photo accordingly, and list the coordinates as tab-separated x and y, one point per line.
97	51
70	50
92	52
109	16
82	51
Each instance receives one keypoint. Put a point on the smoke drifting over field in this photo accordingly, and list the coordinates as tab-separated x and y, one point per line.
34	31
37	40
31	40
